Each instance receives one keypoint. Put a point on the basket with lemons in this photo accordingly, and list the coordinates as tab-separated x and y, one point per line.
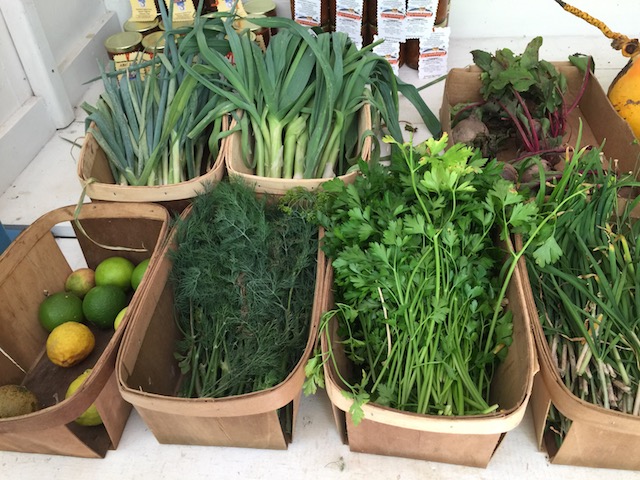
92	301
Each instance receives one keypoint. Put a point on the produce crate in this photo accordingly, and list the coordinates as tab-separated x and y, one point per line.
462	440
34	264
597	437
95	176
236	166
149	378
600	121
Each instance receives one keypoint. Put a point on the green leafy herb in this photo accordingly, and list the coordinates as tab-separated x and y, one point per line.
419	278
243	276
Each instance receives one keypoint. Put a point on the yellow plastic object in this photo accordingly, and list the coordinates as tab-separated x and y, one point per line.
624	92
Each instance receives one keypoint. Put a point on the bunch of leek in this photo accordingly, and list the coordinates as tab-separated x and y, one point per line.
149	134
297	102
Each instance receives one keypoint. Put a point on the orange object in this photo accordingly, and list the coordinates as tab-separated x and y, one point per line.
624	92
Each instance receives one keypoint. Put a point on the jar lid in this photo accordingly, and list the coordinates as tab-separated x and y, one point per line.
259	6
142	27
154	42
123	42
244	24
175	25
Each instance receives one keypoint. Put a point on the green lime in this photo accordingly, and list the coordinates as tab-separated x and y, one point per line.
115	271
91	416
102	304
138	273
59	308
119	318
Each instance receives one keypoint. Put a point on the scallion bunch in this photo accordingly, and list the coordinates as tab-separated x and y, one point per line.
151	134
587	291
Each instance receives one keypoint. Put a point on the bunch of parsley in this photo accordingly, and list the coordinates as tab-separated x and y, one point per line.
418	251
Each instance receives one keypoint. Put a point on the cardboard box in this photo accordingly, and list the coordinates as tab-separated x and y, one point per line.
149	377
462	440
600	122
34	264
237	167
597	437
96	177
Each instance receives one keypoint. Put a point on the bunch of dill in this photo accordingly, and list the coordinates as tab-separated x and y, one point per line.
243	277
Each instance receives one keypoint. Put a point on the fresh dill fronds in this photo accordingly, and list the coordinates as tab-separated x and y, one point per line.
243	276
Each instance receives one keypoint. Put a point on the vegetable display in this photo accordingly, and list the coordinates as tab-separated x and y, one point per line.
243	276
586	291
420	277
149	133
297	102
524	111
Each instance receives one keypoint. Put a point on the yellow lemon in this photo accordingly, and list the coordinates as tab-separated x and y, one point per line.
70	343
91	416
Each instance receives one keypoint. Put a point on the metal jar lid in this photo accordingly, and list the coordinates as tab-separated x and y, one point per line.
154	42
263	7
123	42
142	27
176	25
245	24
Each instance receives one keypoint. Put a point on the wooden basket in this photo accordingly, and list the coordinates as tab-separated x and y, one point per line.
462	440
236	166
95	175
34	264
148	377
597	437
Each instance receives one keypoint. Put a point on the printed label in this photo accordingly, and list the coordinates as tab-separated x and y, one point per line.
391	15
349	19
143	10
123	61
390	51
183	10
227	5
434	53
308	12
420	18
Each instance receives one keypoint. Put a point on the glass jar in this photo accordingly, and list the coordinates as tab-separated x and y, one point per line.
442	14
145	28
123	42
260	7
153	43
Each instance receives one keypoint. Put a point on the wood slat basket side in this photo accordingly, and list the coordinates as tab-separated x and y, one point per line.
148	378
33	265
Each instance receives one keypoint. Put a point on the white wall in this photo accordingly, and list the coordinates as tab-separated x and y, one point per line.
65	22
14	88
513	18
48	52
